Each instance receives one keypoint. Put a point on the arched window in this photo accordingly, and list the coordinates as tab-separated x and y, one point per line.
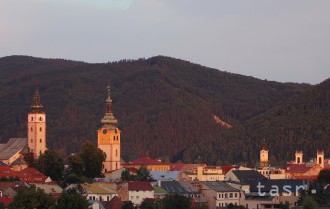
40	129
40	140
320	160
298	160
40	118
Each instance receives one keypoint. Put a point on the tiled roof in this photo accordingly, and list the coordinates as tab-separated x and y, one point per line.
50	188
13	146
219	186
248	175
160	191
140	186
298	168
146	161
174	187
100	188
31	175
114	203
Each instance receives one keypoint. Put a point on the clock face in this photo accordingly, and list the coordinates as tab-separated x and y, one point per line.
104	131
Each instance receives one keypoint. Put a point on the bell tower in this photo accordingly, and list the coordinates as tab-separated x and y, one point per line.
320	158
109	138
36	126
264	155
299	157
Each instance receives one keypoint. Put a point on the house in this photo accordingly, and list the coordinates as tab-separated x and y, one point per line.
244	176
175	187
95	204
32	175
12	150
100	191
149	163
219	194
160	193
10	189
114	203
273	172
135	191
52	189
206	173
308	171
19	164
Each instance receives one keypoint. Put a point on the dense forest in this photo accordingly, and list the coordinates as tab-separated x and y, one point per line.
166	106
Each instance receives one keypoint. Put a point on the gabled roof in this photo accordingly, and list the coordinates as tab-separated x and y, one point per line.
160	191
174	187
219	186
226	169
19	161
248	175
114	203
50	188
31	175
13	146
140	186
100	188
298	168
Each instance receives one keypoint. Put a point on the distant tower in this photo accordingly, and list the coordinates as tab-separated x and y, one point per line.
264	155
36	126
320	158
109	138
299	157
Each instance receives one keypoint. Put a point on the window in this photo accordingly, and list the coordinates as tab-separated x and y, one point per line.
235	194
108	198
226	195
40	118
114	138
40	129
116	152
137	197
31	140
31	129
40	140
231	195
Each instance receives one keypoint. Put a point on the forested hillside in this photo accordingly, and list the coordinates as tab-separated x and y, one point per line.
163	104
302	122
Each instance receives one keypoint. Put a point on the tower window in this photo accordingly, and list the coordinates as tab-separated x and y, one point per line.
114	138
31	140
40	140
31	118
40	129
40	118
31	129
116	152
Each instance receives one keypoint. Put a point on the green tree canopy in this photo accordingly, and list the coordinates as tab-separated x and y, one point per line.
128	205
176	202
51	164
32	198
309	203
71	199
76	165
93	157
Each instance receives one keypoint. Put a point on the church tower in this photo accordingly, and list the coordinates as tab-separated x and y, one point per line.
264	155
109	138
299	157
36	126
320	158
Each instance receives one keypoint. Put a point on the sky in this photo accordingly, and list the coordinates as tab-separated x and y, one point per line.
281	40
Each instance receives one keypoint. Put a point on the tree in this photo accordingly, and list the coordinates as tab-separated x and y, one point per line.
309	203
128	205
32	198
324	177
29	159
76	165
93	158
51	165
2	206
72	199
126	176
176	202
203	206
143	174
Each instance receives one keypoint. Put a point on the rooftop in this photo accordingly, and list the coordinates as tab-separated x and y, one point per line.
219	186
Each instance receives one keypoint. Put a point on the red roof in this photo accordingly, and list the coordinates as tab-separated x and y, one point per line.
298	168
6	201
146	161
226	169
140	185
31	175
176	166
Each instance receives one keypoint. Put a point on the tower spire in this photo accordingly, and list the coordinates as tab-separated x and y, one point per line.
36	105
109	121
